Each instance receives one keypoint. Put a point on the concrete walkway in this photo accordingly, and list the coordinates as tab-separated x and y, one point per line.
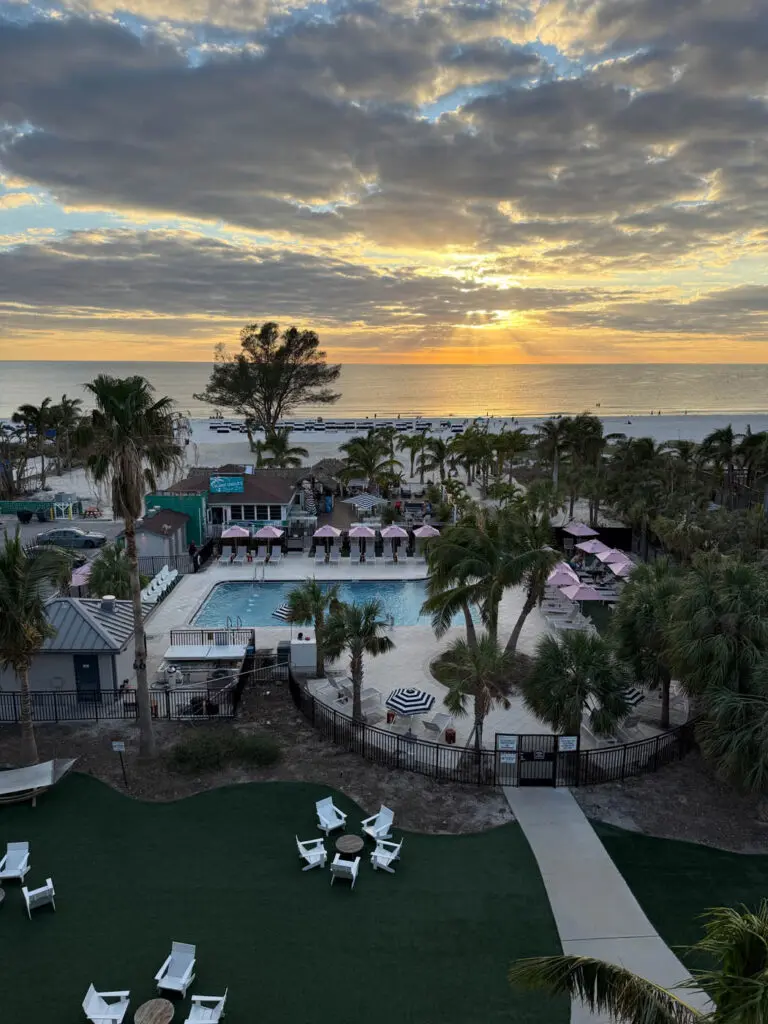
594	909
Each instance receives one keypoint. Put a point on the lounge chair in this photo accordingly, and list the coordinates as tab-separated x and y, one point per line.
437	724
15	863
389	554
99	1011
275	556
370	555
199	1014
227	553
348	869
385	855
313	852
329	817
261	555
35	898
335	556
319	556
379	826
178	971
354	552
239	558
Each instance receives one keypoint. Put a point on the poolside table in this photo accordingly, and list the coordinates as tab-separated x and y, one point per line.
349	846
156	1011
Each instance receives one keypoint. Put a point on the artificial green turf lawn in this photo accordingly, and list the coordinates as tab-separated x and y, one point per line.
429	944
676	882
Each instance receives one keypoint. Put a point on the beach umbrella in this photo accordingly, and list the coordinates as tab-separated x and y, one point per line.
236	531
327	531
563	578
409	701
592	547
581	592
613	557
364	501
394	531
579	530
269	533
362	531
426	531
621	569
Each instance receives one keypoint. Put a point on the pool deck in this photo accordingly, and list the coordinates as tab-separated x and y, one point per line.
407	665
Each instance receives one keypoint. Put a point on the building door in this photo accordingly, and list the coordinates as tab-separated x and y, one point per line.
87	679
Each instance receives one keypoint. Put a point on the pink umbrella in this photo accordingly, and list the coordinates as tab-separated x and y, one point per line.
562	576
579	530
593	547
393	531
269	533
622	569
236	531
327	531
581	592
362	531
80	576
613	557
426	531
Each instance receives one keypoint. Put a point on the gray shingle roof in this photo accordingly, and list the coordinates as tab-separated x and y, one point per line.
83	625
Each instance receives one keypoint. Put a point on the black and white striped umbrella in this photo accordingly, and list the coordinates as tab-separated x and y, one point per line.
409	701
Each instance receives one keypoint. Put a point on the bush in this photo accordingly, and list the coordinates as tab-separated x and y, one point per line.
211	751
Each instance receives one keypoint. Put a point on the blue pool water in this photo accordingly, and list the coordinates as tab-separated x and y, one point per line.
254	603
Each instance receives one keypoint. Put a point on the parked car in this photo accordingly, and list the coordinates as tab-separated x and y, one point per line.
77	560
71	537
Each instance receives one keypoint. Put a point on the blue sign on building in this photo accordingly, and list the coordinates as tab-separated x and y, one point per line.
226	485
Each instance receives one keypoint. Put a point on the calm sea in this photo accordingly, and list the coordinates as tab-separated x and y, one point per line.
444	390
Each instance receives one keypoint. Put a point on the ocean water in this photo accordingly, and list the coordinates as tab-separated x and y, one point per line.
254	603
441	390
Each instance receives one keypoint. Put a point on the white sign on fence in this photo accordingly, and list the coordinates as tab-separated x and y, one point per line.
567	744
118	746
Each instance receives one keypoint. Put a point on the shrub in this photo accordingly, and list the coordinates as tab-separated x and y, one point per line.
210	751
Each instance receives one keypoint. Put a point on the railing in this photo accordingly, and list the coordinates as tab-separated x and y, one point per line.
151	565
212	637
465	764
188	704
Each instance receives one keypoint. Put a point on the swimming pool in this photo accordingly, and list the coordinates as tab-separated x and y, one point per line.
255	603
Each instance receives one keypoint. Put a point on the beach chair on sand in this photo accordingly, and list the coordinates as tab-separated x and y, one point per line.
261	555
354	552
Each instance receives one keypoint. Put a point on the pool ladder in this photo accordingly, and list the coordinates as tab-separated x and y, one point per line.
234	625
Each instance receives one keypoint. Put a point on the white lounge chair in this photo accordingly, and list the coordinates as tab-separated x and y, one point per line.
335	556
354	552
385	855
437	723
35	898
348	869
239	558
370	555
319	556
99	1011
379	826
15	863
389	555
178	971
226	553
313	852
329	817
199	1014
275	556
261	555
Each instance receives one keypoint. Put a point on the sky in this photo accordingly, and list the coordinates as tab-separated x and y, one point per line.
416	180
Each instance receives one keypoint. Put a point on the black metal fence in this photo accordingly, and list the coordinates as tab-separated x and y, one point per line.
151	565
489	767
192	704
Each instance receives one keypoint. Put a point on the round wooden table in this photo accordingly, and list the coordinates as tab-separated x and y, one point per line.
156	1011
349	846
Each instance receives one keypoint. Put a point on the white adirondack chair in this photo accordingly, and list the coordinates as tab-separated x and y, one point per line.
15	863
35	898
199	1014
347	869
385	855
313	852
379	826
329	817
178	971
99	1011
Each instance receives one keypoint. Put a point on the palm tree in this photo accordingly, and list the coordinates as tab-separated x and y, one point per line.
534	560
128	440
66	418
733	735
434	455
584	445
718	630
640	623
720	450
111	573
572	673
310	602
480	672
735	940
359	630
509	444
551	441
368	457
281	454
25	582
38	418
413	444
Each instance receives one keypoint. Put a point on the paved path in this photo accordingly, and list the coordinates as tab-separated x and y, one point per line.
594	909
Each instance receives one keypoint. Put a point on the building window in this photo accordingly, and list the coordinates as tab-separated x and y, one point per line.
249	512
275	512
235	511
262	512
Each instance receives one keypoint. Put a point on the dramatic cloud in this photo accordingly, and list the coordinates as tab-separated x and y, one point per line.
398	165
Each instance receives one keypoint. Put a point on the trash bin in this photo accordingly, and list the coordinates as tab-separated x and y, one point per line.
24	516
450	735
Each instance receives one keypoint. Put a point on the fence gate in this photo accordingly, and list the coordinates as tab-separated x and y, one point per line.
537	760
